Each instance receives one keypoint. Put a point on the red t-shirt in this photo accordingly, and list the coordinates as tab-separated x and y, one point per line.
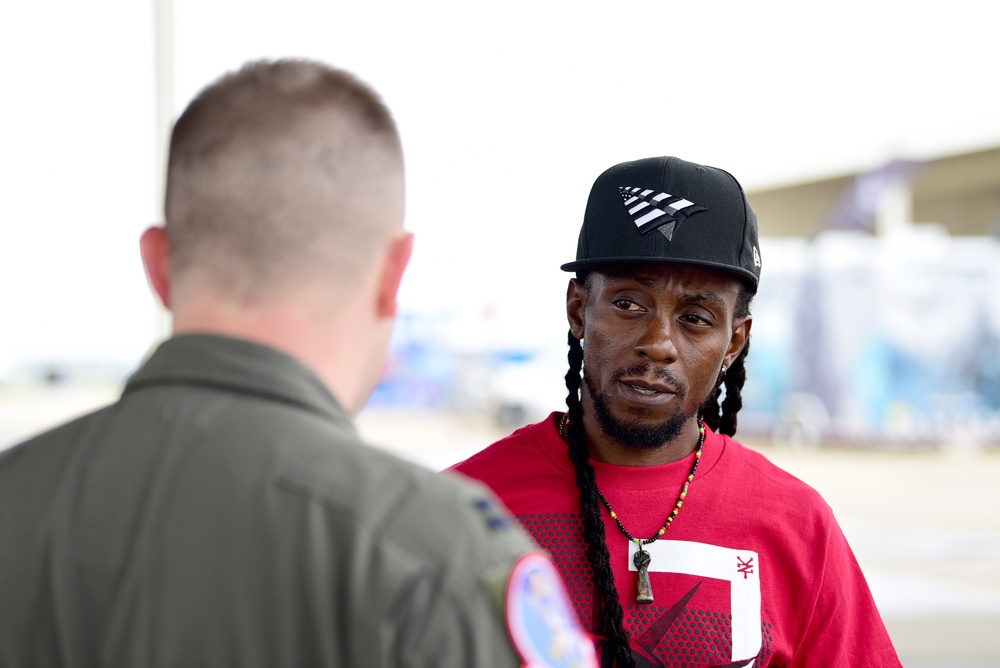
754	571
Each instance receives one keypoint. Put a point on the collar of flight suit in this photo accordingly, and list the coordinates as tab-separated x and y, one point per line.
237	365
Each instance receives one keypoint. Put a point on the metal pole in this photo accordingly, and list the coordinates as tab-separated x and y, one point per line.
163	27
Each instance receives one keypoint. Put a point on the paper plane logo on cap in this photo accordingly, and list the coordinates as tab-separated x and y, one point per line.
655	210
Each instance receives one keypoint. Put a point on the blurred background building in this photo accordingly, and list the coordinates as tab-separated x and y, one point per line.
877	320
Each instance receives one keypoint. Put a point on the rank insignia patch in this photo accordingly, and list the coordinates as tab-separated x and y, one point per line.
496	517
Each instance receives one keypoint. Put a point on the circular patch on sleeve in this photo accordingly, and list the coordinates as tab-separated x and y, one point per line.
541	622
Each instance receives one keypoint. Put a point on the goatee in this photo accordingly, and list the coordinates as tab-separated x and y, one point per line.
630	435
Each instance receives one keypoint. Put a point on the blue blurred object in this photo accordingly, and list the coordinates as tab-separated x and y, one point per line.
855	338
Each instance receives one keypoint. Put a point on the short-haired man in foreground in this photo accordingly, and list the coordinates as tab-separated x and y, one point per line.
224	512
679	546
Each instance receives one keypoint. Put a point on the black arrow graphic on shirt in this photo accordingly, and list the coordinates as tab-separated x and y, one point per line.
653	636
650	639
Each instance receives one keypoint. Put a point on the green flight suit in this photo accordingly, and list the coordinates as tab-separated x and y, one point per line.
224	513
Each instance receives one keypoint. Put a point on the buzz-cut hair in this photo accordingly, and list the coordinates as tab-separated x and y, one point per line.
280	170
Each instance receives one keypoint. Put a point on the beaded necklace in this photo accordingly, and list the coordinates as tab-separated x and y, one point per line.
642	558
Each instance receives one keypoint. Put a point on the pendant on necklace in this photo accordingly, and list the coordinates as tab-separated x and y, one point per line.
645	588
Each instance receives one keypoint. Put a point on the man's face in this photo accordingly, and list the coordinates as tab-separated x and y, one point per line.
654	340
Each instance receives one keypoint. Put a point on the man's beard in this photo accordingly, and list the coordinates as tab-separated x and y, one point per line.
633	436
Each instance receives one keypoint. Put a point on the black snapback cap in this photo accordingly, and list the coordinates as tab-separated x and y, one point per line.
669	211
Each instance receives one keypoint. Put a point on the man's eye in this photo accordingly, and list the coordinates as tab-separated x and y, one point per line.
626	305
694	319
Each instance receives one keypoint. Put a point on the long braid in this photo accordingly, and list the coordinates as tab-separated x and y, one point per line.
731	405
612	615
723	420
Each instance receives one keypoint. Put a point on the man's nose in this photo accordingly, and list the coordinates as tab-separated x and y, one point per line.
656	341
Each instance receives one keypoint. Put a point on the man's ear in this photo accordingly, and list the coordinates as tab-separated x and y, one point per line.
576	299
741	332
397	256
156	259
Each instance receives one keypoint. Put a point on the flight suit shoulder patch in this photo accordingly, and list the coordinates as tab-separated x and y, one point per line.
540	620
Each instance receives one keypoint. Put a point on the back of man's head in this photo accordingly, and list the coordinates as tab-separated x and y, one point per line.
281	174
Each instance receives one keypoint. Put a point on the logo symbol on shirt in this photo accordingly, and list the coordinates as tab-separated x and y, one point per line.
744	567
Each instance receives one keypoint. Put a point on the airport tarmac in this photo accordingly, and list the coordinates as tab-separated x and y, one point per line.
925	525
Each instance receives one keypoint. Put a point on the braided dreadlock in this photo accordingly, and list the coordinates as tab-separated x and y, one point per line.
724	421
612	614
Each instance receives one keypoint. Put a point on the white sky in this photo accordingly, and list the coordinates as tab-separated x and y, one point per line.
508	111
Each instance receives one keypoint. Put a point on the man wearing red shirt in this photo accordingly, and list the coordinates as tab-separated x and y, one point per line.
678	545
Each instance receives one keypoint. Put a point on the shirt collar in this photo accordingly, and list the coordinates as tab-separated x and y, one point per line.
237	365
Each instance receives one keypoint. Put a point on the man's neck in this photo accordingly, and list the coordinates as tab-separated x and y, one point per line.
331	349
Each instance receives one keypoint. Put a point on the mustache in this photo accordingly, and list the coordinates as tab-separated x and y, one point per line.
643	369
